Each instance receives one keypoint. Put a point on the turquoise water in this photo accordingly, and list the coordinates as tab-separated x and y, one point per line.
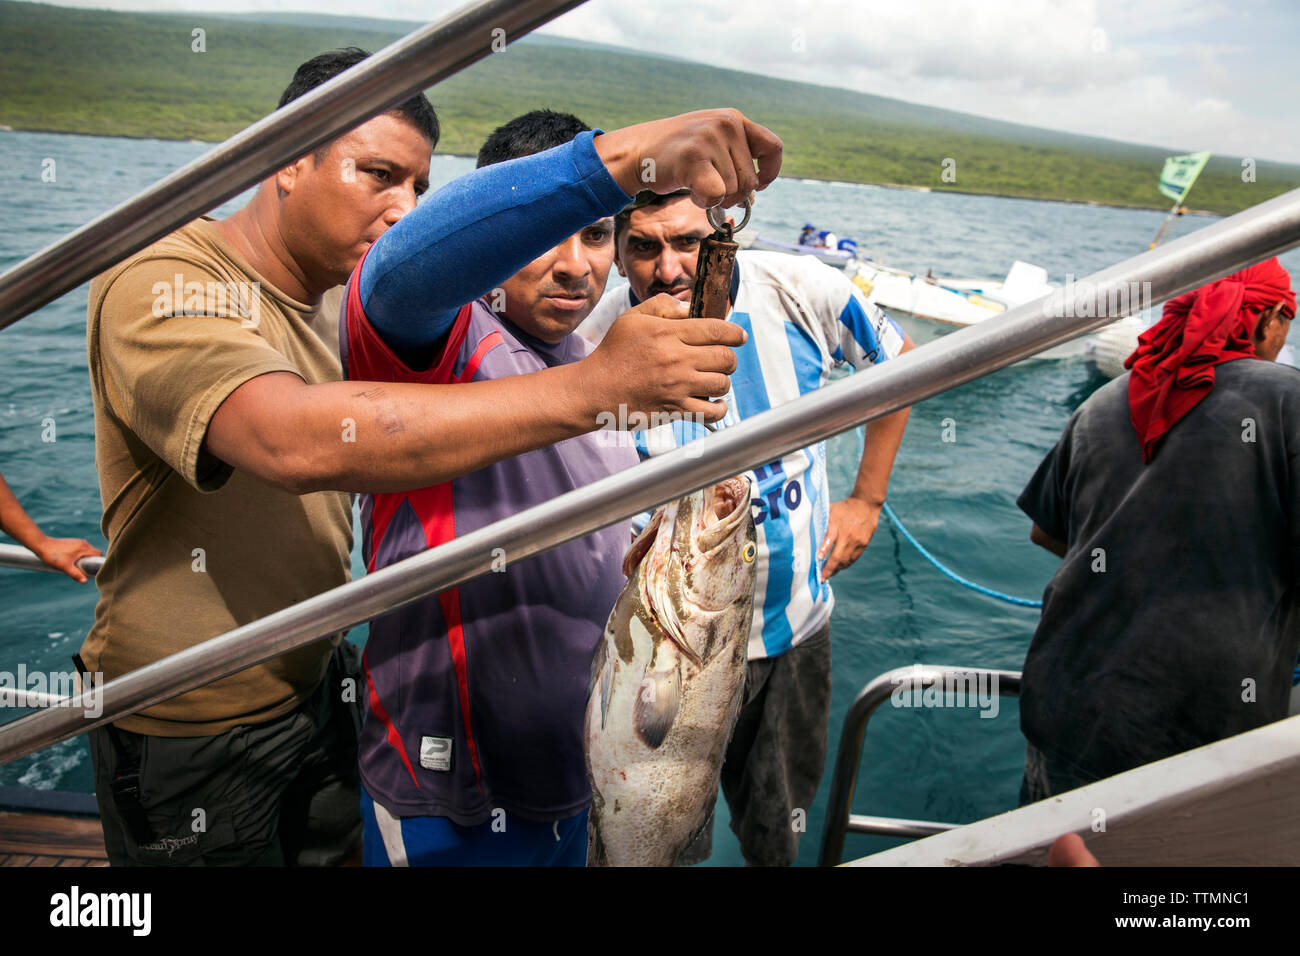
892	608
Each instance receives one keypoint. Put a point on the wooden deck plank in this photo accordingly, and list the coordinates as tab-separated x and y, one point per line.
39	839
48	835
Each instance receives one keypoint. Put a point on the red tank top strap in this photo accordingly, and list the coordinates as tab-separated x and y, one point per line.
370	358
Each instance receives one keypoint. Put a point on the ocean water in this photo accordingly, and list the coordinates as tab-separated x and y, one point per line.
892	608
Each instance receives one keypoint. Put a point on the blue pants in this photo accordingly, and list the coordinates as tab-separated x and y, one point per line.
437	841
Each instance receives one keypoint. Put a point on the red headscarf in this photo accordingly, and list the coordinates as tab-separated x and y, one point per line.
1173	365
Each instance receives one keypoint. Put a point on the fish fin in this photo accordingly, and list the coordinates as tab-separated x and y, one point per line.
606	686
684	648
602	677
597	665
705	825
657	701
641	546
596	855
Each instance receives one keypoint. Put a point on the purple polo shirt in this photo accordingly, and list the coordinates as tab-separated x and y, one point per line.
477	695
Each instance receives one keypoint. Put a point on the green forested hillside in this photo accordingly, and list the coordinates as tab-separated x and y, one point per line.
124	74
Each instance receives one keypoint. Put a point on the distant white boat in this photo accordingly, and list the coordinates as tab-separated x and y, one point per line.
839	258
929	306
1107	351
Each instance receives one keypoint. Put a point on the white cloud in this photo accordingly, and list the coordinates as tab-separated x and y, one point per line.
1120	70
1034	43
1140	17
1149	71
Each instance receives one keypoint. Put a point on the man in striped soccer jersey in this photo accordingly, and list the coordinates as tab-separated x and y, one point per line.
803	319
472	746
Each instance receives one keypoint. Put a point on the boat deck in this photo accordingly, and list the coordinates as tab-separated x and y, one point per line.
52	828
46	839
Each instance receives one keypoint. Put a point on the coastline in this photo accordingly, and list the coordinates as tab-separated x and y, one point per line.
974	192
812	179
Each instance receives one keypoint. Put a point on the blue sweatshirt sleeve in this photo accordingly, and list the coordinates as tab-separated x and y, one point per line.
477	231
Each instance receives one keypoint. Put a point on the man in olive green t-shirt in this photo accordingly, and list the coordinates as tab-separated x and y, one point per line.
257	768
226	445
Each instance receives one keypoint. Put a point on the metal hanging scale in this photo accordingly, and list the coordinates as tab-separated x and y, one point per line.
709	298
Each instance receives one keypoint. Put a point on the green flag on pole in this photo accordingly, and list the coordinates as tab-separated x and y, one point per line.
1179	174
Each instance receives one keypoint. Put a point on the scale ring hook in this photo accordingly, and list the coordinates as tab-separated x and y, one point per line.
718	217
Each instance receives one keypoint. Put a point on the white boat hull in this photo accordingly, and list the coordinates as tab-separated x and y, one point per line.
1107	350
928	308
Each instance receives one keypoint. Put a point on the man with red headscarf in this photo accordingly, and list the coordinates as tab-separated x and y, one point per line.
1173	498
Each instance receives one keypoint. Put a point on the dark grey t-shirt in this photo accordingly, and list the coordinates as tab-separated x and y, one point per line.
1196	610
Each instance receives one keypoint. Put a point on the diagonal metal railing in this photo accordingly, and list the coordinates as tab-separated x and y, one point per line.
1262	231
392	75
13	556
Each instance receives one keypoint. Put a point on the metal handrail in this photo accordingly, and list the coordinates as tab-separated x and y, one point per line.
387	78
28	699
1259	232
13	556
840	820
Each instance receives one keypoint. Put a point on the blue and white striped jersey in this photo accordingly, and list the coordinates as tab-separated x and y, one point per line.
804	318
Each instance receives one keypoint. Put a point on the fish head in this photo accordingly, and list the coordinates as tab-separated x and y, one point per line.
698	570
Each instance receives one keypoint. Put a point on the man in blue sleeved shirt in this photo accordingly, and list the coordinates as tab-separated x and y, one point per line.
484	764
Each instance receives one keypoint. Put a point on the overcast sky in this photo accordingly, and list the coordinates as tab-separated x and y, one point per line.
1182	74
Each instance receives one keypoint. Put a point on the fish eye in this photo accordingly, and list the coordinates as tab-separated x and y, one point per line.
749	551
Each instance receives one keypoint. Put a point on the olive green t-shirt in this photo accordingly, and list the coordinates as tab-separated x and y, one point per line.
196	548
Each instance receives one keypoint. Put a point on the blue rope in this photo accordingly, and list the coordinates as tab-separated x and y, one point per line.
1023	602
989	592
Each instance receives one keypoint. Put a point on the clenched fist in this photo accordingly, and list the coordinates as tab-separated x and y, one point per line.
711	152
654	359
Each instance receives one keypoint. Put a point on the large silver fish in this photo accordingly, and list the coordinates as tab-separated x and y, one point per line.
668	677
